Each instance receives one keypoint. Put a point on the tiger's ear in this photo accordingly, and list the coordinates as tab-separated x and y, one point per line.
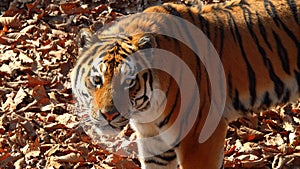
84	38
147	41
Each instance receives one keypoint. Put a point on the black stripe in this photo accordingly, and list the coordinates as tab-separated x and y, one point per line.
145	104
171	10
95	52
138	86
231	23
162	159
185	121
78	72
221	36
293	7
278	84
230	87
282	53
287	96
167	118
144	97
194	45
170	155
241	4
204	25
200	18
191	15
93	69
150	80
152	160
127	51
209	87
251	74
266	101
199	118
263	31
123	55
145	78
271	10
237	104
84	94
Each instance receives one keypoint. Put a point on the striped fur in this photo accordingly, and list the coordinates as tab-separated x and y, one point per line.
258	42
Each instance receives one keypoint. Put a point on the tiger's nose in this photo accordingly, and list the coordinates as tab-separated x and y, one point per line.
110	115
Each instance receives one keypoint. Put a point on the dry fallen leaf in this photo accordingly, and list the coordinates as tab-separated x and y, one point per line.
38	127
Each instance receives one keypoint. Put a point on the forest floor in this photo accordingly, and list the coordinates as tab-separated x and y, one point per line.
38	126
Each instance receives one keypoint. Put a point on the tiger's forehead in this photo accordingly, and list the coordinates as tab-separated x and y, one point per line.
114	62
116	55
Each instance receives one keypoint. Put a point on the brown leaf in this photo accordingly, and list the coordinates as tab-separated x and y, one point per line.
28	28
35	81
39	94
9	104
99	9
2	131
67	119
11	21
51	46
54	126
5	156
73	8
24	58
21	94
8	158
5	69
20	163
112	159
256	163
33	8
54	149
70	158
249	134
276	140
5	40
230	151
8	55
18	139
270	148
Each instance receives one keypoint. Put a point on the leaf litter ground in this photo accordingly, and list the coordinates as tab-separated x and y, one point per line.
38	127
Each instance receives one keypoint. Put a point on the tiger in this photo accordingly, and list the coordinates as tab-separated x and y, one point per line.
257	44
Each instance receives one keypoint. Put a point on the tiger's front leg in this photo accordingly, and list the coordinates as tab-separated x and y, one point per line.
166	160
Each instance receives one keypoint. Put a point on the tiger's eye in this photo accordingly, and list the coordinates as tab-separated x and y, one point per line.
97	80
128	81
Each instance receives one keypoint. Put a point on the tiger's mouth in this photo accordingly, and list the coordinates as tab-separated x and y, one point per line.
109	123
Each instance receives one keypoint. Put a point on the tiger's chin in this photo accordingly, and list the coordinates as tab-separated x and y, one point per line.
112	128
98	126
109	130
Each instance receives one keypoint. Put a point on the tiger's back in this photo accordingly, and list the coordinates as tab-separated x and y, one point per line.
258	45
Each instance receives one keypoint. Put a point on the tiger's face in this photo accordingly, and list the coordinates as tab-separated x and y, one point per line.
116	86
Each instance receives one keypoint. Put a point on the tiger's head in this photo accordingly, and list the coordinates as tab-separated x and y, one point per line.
110	84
